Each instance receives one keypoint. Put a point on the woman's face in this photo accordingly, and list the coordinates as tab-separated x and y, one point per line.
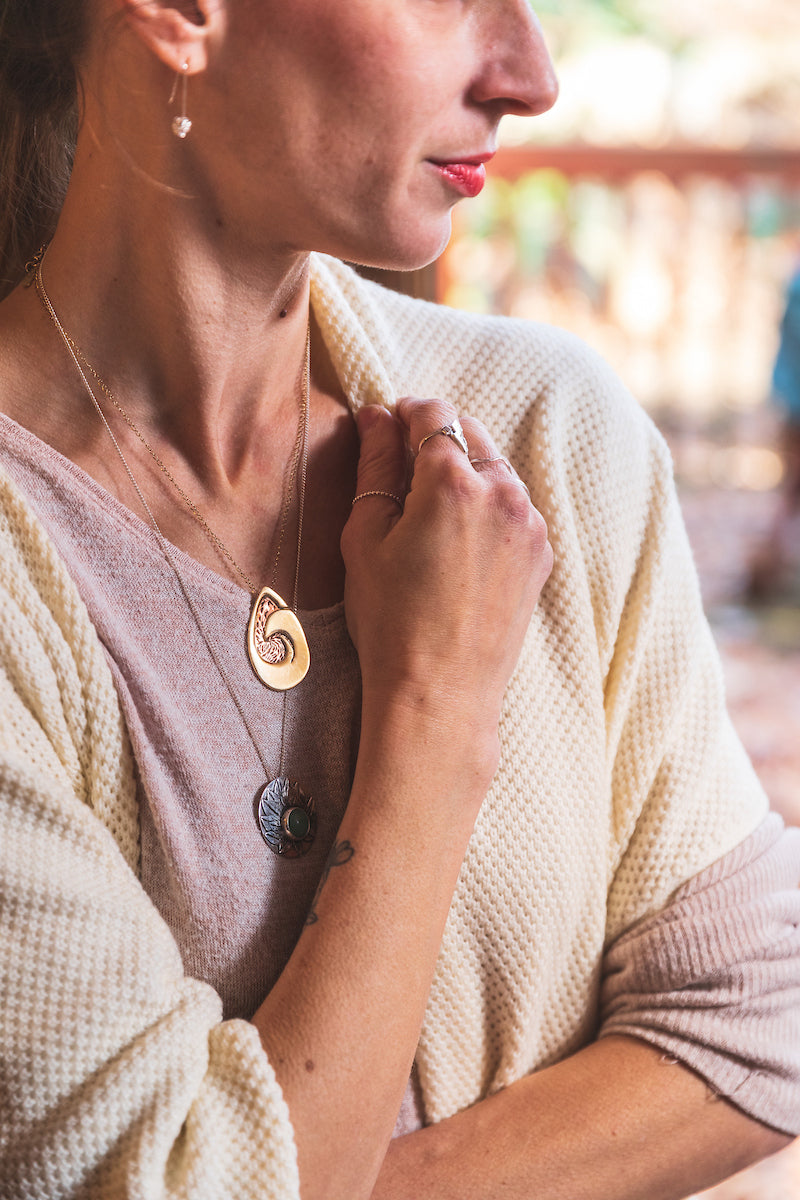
356	125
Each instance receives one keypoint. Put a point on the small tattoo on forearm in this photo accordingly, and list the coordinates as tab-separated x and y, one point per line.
341	853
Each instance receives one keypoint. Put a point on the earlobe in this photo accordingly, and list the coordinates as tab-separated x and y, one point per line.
176	31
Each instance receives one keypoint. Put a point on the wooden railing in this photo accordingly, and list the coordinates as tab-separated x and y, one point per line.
615	165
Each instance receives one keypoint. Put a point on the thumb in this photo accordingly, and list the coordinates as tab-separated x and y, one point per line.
382	461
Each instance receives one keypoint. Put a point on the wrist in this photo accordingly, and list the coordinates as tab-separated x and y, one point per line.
419	742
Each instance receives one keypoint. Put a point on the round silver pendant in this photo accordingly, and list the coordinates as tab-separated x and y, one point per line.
286	818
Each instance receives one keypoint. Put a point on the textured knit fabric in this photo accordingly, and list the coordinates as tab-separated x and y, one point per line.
620	780
716	958
118	1077
233	907
620	776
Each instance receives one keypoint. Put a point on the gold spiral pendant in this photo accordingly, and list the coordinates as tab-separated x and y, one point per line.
276	644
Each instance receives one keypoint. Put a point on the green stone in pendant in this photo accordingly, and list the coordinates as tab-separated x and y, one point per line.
296	823
286	817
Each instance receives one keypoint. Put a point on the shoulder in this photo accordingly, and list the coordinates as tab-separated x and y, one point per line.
500	369
594	462
417	338
61	717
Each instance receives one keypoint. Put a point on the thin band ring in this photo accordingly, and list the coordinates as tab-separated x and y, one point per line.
454	431
477	462
388	495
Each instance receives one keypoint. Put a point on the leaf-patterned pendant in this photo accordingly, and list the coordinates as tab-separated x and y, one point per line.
286	818
276	644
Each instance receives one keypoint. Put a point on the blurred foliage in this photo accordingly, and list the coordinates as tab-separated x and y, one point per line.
678	285
614	16
571	24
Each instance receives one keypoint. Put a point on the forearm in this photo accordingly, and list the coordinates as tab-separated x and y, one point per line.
616	1121
341	1025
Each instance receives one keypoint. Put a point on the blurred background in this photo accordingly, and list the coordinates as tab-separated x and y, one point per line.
656	212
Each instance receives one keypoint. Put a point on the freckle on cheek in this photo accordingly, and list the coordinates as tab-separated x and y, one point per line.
309	1064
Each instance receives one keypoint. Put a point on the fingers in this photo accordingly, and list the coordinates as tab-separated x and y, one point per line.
498	478
386	440
381	480
469	555
497	465
425	420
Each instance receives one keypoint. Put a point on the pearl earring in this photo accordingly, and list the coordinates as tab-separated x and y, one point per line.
180	124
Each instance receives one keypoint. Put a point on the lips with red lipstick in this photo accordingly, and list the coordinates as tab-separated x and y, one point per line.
465	175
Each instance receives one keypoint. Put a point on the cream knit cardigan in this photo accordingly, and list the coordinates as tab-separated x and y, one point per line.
620	779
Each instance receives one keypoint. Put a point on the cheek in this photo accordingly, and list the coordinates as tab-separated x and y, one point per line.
330	48
364	78
365	68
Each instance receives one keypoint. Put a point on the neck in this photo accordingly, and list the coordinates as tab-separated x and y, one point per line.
204	340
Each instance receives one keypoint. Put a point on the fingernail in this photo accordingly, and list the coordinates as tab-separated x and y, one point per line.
366	417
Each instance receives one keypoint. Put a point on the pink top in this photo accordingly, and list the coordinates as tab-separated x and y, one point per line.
235	908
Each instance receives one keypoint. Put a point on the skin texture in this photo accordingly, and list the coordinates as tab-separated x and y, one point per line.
170	267
315	124
617	1121
360	97
215	232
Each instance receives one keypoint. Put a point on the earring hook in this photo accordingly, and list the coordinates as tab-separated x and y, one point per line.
181	124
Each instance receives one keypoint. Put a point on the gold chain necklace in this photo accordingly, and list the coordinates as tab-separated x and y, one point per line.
276	643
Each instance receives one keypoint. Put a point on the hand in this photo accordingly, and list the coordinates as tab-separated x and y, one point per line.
439	596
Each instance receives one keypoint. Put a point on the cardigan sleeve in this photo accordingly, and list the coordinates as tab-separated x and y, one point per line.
117	1075
683	791
713	979
702	950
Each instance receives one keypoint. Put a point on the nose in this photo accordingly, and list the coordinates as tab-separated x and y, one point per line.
515	73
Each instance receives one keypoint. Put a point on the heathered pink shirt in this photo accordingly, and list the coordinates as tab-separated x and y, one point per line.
235	908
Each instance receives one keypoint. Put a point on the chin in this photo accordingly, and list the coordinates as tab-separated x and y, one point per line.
408	250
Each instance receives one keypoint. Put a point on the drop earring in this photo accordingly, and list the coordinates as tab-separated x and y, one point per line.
181	123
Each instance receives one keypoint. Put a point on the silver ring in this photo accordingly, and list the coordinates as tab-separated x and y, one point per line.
388	495
453	431
477	462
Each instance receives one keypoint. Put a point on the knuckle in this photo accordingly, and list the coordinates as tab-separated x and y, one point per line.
383	463
428	415
460	485
538	529
431	406
513	502
523	523
441	410
547	559
490	471
477	433
541	549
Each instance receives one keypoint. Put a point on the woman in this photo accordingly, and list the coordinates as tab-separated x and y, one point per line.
216	985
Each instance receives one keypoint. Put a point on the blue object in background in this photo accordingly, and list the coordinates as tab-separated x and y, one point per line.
786	374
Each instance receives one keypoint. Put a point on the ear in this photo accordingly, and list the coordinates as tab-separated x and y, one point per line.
177	31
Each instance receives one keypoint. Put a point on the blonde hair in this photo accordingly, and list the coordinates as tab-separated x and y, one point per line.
40	42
